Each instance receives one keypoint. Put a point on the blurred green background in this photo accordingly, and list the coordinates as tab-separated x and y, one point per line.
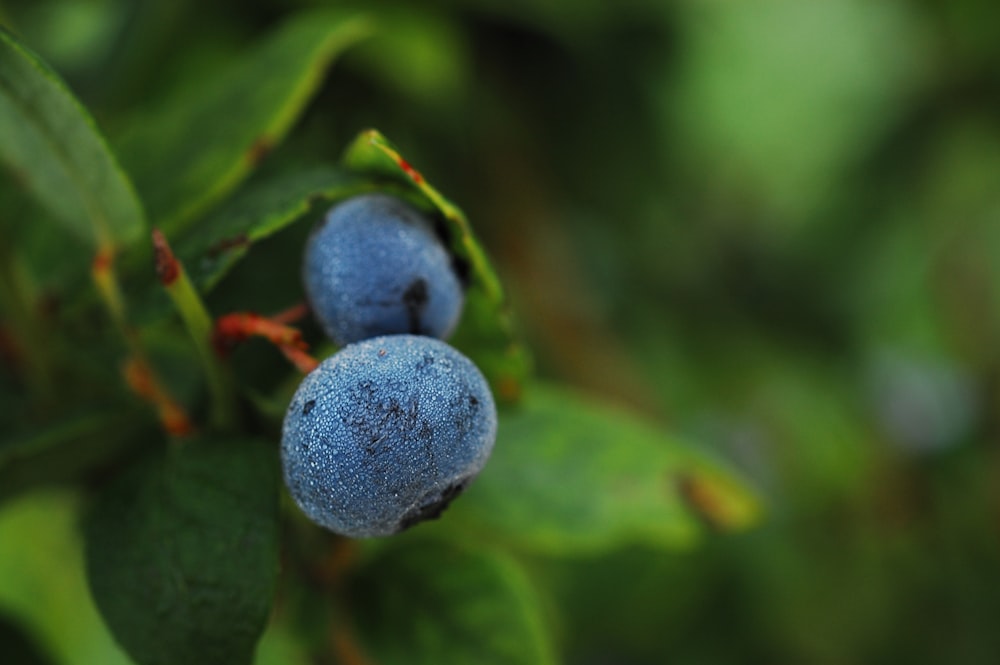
772	226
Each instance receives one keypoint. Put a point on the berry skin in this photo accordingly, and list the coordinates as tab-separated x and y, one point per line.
374	266
385	433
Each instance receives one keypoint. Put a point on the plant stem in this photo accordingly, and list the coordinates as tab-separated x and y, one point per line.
238	326
106	279
196	318
139	373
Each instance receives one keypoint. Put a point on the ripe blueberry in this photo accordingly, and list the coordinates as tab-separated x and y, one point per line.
374	266
385	433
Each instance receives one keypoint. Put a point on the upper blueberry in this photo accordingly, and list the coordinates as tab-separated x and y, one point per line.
385	433
374	266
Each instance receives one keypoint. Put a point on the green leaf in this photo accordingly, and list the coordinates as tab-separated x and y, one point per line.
281	645
17	648
182	553
866	52
56	150
197	148
42	580
259	210
63	449
440	604
486	332
569	475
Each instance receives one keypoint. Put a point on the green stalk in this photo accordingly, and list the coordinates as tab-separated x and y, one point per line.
139	372
110	290
198	322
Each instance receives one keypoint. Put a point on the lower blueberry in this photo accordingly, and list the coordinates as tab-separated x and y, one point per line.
385	433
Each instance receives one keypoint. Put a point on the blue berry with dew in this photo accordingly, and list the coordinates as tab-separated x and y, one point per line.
385	433
375	266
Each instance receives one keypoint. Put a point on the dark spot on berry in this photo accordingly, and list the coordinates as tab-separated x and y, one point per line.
424	362
308	406
415	300
473	401
381	353
433	510
378	444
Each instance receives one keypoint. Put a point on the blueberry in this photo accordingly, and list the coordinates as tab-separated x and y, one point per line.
385	433
374	266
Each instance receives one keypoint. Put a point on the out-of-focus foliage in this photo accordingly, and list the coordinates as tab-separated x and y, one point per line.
771	228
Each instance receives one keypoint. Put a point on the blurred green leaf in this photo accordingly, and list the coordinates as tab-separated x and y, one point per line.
42	581
486	332
55	149
32	263
257	211
62	449
281	645
748	97
441	604
420	54
182	553
570	475
193	151
17	648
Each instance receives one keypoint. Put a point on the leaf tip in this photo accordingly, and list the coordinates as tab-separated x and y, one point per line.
372	135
